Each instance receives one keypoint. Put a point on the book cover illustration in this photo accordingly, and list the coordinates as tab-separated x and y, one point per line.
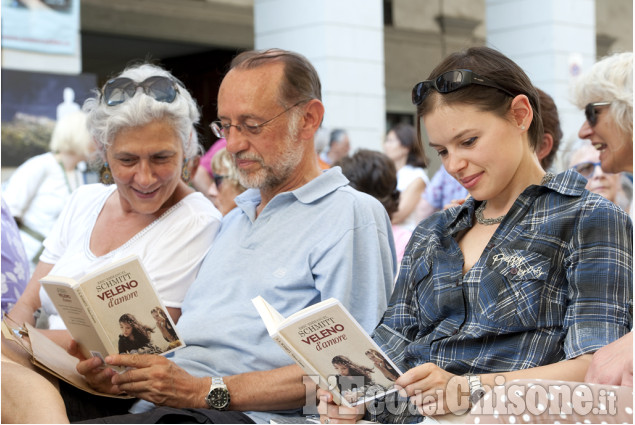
124	310
329	339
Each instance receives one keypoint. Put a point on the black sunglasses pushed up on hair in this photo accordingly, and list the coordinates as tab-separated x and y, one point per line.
591	112
162	89
451	81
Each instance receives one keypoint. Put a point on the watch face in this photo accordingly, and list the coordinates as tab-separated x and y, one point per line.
476	396
219	398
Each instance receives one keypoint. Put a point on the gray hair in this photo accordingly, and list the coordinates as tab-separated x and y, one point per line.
609	80
105	122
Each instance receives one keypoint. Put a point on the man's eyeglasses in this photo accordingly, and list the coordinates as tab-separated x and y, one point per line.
118	90
221	130
587	168
451	81
591	112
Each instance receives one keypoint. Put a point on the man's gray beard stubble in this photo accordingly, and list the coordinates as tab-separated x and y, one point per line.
272	176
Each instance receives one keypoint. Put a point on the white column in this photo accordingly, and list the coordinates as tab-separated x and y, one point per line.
344	41
553	41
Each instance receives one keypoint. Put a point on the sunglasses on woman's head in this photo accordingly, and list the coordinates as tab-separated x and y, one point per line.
451	81
161	89
591	112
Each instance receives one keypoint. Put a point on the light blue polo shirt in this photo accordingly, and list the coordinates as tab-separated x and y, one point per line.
321	240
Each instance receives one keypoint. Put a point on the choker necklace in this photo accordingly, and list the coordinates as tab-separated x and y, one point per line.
478	213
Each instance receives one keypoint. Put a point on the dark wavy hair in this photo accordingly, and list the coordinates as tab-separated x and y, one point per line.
551	125
374	173
354	368
494	65
140	332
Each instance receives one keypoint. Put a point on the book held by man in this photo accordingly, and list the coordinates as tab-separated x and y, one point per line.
332	348
114	310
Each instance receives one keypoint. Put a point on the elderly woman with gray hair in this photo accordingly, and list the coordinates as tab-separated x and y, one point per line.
143	123
606	94
39	189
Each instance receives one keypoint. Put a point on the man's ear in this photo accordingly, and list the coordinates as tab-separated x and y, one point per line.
311	119
522	111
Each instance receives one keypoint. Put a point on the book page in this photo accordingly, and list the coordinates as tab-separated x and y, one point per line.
343	353
55	360
269	315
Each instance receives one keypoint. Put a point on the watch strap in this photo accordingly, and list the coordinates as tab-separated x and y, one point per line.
476	388
217	385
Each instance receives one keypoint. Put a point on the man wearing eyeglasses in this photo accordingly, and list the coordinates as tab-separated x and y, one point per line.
298	236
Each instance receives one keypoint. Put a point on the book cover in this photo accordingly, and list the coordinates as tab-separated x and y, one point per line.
112	310
331	346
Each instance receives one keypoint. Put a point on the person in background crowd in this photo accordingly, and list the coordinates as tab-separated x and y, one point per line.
605	93
552	136
226	182
203	177
374	173
410	161
339	147
15	265
521	281
321	141
39	189
585	159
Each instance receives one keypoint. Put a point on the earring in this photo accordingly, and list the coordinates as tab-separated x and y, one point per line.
522	127
185	172
105	175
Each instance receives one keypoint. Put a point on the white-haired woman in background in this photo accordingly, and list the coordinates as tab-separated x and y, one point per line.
39	189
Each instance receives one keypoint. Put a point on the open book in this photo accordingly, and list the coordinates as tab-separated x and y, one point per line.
112	310
332	348
48	356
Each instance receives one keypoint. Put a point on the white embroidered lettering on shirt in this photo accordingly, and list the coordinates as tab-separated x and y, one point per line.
517	265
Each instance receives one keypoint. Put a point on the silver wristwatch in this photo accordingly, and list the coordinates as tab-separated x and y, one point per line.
218	396
476	388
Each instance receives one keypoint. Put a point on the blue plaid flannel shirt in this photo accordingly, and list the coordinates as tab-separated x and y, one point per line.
553	283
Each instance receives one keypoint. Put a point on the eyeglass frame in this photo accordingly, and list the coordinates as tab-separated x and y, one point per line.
595	165
591	114
218	128
146	90
469	77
